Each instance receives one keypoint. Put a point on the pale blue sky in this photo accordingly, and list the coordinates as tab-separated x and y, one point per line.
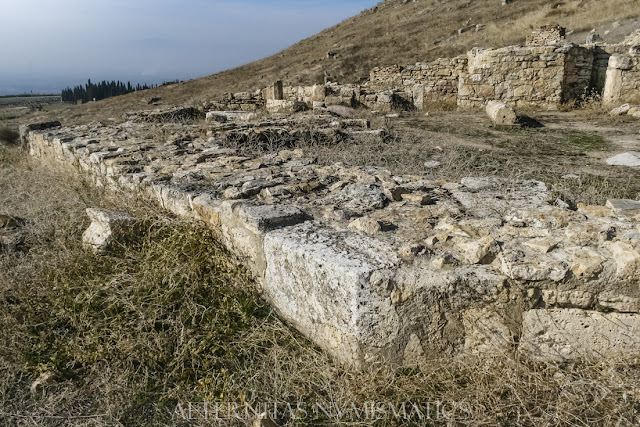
49	44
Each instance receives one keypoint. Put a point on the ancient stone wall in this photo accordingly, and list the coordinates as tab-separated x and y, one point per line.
623	78
578	73
375	267
547	35
436	81
545	74
306	94
386	78
520	76
241	101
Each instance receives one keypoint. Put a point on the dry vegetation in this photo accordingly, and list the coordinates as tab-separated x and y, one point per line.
174	318
390	33
129	335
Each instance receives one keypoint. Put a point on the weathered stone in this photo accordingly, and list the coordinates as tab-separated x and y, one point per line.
24	130
367	225
224	116
341	110
620	62
621	110
109	228
314	278
516	265
624	206
487	331
421	199
561	334
275	106
587	263
631	158
500	113
475	251
542	245
594	211
627	260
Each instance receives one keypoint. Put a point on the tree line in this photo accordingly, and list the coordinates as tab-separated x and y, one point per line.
99	91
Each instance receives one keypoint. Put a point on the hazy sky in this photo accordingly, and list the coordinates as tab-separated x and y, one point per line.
47	45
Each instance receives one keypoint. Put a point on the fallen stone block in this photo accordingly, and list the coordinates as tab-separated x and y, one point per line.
341	111
500	113
108	228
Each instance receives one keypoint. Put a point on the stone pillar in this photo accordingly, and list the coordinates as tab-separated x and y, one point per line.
418	97
613	85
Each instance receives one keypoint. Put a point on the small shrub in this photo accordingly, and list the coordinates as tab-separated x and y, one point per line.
8	136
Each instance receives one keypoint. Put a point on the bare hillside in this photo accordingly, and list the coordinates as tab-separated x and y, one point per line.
395	32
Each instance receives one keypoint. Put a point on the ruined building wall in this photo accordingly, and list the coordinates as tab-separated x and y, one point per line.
532	75
623	78
306	94
547	35
546	73
240	101
578	70
439	79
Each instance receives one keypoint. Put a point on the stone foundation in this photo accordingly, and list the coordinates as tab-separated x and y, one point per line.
381	268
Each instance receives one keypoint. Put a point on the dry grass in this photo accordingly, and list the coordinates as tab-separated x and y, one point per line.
174	319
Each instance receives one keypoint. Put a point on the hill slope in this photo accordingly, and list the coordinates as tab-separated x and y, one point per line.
398	32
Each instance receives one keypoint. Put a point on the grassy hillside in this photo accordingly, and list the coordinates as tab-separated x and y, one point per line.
393	32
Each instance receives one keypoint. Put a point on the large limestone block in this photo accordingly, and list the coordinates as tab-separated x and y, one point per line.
275	106
500	113
25	129
561	334
621	62
243	225
224	116
331	286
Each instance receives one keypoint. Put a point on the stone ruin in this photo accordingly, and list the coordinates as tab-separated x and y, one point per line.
547	35
545	73
375	267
